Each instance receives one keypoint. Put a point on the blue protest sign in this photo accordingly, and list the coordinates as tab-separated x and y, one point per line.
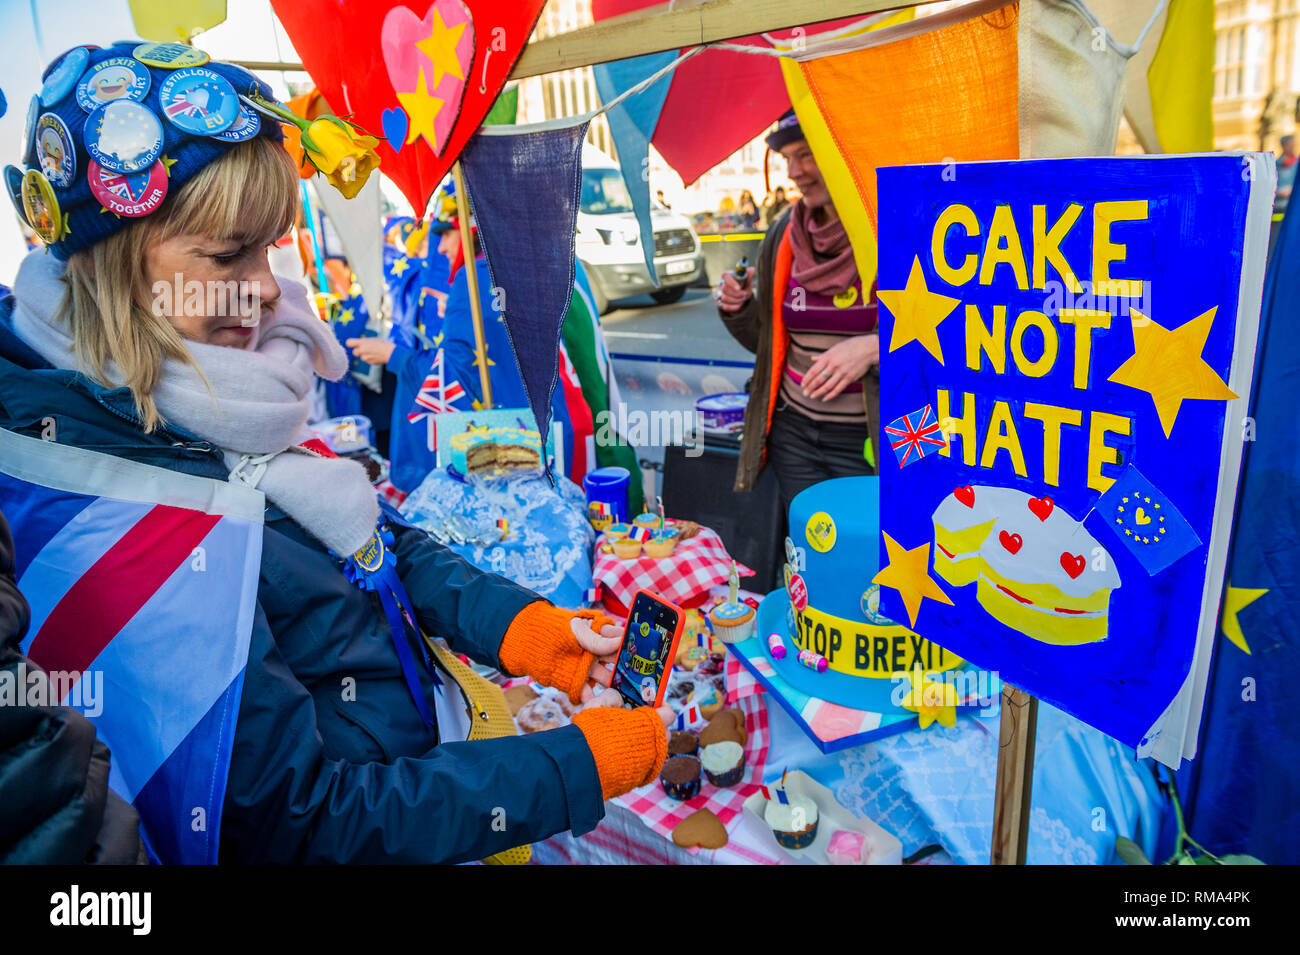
1082	330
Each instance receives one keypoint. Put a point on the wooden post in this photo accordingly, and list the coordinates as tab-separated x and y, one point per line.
1015	780
471	276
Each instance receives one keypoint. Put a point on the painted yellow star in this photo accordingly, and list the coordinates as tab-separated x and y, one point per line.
421	108
931	700
1235	600
400	266
917	312
1168	365
440	48
908	573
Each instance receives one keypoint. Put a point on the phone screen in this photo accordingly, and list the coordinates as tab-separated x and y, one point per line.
647	643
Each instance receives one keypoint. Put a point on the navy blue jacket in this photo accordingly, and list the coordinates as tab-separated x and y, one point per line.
314	778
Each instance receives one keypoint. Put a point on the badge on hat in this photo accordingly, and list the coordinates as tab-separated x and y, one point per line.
124	136
29	131
41	207
199	101
118	78
128	194
54	150
169	56
64	76
14	184
246	127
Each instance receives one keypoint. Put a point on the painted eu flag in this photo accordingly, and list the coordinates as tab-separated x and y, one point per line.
1146	521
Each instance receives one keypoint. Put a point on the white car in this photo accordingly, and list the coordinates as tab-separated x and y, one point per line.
609	239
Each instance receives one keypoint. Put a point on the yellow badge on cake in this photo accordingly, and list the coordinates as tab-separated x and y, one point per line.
820	532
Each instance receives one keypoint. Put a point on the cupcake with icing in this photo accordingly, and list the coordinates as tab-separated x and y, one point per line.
660	544
793	823
724	762
617	531
626	548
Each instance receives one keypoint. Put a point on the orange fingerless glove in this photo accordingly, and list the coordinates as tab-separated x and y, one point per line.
540	643
629	746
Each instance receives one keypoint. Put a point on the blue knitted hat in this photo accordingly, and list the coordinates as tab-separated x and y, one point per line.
183	153
787	131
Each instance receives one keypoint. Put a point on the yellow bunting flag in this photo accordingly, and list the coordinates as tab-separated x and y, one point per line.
166	21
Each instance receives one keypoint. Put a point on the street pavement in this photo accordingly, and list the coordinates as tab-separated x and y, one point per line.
686	329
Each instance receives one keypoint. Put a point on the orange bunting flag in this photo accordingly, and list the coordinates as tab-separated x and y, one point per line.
913	93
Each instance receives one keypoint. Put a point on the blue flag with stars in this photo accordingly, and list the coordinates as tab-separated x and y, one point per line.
1242	792
1146	522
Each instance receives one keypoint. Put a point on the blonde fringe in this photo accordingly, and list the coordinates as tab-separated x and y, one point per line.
251	193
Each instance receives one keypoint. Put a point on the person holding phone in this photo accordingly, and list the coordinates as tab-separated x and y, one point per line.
812	326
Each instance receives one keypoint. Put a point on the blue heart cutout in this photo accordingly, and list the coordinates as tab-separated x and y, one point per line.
395	125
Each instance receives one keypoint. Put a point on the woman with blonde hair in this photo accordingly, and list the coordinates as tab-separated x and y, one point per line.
160	336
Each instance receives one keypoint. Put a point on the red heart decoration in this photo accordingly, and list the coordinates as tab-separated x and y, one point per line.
1011	542
1073	564
1041	506
966	495
341	46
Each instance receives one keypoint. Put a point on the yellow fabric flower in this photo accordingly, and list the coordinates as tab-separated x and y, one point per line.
931	700
344	156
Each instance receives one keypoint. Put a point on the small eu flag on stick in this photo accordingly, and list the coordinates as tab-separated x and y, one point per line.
1146	522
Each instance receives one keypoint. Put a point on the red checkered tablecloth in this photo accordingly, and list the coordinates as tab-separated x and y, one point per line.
697	565
662	813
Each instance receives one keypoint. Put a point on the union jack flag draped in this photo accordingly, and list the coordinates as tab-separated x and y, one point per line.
153	604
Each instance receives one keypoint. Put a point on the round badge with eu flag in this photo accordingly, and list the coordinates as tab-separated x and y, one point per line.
169	56
199	101
128	194
118	78
124	136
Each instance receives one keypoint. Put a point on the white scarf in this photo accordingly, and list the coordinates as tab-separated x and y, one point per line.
262	399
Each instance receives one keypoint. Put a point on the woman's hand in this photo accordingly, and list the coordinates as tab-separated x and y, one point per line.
373	351
840	366
605	646
613	700
731	295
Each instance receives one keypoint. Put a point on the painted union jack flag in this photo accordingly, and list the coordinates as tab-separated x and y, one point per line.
181	106
915	435
435	397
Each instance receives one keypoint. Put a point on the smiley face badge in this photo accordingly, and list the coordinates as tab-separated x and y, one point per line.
118	78
54	150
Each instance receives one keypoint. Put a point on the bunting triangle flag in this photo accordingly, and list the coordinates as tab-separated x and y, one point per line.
987	80
632	124
524	184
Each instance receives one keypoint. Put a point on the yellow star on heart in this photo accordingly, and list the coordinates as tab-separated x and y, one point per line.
421	108
346	315
931	700
917	312
440	48
1168	365
1236	599
908	573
